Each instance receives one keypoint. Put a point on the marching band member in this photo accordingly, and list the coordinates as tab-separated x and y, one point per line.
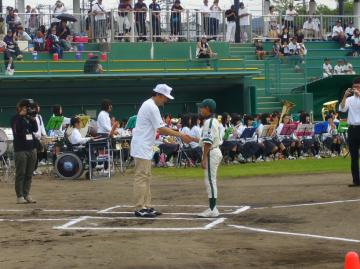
309	142
289	143
331	139
105	128
268	143
251	148
75	137
229	146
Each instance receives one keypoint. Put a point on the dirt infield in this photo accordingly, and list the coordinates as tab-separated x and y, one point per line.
293	222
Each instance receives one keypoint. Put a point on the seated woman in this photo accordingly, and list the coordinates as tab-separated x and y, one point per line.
267	143
331	138
39	42
195	131
93	66
12	51
229	145
63	32
203	50
291	145
355	41
75	138
53	43
259	50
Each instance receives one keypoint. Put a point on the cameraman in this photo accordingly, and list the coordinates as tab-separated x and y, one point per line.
23	125
351	104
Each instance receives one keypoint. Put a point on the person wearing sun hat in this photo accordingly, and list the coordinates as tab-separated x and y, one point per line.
210	142
148	123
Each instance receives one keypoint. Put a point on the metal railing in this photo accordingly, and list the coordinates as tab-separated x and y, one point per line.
293	73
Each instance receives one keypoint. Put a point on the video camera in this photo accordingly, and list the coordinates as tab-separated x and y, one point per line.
30	107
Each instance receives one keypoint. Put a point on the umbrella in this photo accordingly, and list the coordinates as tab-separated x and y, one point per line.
66	17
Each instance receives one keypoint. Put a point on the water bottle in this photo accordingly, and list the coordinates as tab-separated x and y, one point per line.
34	55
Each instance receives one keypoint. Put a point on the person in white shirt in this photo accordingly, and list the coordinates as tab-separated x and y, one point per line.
349	31
59	8
75	138
22	35
205	13
244	22
104	126
327	68
348	68
41	132
148	123
289	18
27	18
215	14
230	15
99	12
351	104
338	68
195	132
309	28
338	34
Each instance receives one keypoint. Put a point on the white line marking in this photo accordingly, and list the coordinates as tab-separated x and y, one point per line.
29	220
295	234
214	223
310	204
108	209
240	210
72	222
136	218
131	229
48	210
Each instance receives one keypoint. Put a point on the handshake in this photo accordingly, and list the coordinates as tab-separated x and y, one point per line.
188	139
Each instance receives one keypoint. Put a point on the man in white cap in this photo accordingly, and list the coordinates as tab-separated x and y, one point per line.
149	122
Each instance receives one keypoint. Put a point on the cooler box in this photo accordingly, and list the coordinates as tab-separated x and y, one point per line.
81	39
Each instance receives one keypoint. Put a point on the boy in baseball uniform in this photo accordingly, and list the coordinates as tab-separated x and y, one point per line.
210	142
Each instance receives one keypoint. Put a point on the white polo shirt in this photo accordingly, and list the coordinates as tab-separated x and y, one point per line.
352	106
100	9
244	21
147	122
104	123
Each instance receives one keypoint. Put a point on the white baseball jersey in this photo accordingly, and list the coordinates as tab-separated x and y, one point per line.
211	133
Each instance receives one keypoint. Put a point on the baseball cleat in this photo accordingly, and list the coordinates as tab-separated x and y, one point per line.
208	213
144	213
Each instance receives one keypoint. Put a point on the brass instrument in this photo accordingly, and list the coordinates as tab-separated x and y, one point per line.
287	106
328	107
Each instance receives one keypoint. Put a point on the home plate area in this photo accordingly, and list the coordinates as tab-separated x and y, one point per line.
175	218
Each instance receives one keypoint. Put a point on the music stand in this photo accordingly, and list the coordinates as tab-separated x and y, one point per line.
305	130
248	133
321	128
267	131
288	129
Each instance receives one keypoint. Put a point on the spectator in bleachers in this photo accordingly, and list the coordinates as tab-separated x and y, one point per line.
63	32
21	35
205	13
338	68
276	49
285	49
273	32
230	15
203	50
355	41
13	20
244	22
155	20
273	18
309	29
99	12
338	34
175	18
93	66
285	36
12	51
123	20
215	19
140	9
26	18
58	9
39	42
53	43
33	23
299	36
2	28
348	68
259	50
327	68
349	31
289	18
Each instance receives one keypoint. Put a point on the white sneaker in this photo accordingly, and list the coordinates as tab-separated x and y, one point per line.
208	213
333	155
258	160
291	157
317	157
169	164
302	158
42	163
268	159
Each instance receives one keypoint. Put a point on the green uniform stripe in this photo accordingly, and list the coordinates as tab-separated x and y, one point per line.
207	140
209	177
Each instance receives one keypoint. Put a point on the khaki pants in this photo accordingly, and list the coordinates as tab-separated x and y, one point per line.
142	194
25	165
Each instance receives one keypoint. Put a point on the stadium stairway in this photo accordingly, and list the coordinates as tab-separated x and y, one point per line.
268	101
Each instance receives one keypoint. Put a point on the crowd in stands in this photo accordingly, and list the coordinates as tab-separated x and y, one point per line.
342	67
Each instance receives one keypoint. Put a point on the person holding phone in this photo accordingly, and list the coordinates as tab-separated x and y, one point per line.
351	104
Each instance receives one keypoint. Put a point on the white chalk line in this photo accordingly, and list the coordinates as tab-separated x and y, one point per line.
31	220
309	204
48	210
295	234
70	225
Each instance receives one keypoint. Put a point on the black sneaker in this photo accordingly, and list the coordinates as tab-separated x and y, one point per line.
154	211
144	213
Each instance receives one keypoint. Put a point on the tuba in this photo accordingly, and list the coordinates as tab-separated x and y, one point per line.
328	107
287	106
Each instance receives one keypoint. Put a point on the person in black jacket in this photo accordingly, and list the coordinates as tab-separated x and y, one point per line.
23	125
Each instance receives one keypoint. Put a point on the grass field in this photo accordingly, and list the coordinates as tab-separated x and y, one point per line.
277	168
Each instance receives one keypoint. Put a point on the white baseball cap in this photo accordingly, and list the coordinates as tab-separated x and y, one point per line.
164	90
